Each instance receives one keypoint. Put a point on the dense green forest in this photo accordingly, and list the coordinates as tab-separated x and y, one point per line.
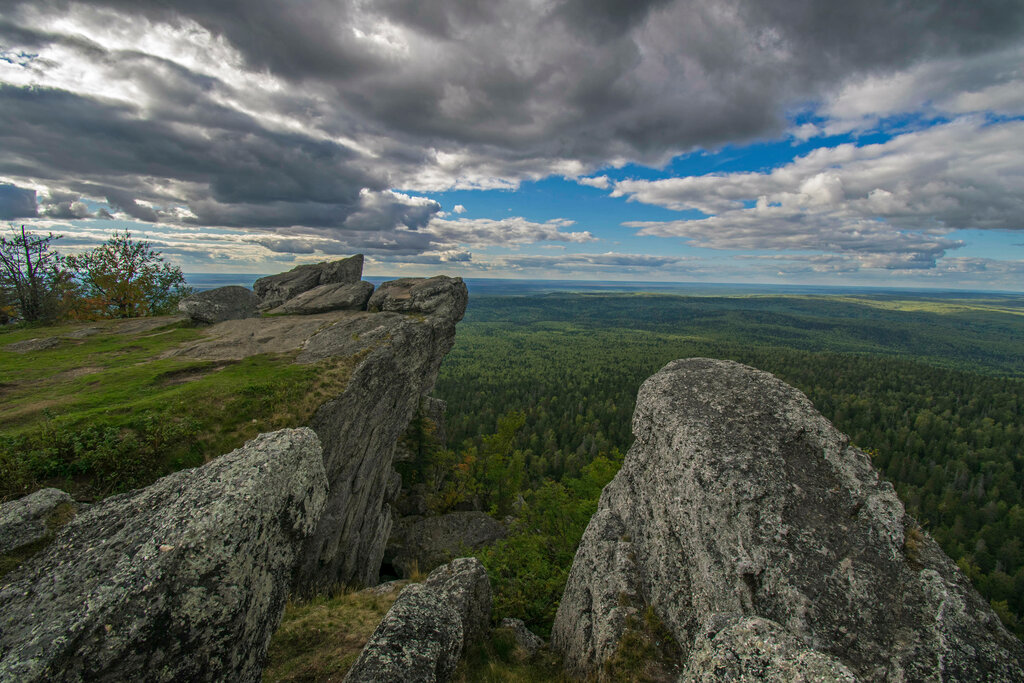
540	393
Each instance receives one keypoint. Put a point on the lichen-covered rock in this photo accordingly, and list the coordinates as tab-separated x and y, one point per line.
423	635
756	650
738	498
336	296
222	303
185	579
29	519
440	294
424	543
419	640
526	639
399	356
465	586
274	290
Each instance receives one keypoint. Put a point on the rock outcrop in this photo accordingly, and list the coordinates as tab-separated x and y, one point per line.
274	290
223	303
423	635
424	543
439	295
332	297
183	580
740	504
399	356
31	519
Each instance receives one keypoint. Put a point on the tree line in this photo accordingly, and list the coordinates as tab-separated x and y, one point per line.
122	278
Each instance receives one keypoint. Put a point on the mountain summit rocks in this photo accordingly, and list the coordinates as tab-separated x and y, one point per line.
766	544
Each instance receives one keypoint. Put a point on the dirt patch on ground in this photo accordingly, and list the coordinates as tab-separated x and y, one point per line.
237	339
76	372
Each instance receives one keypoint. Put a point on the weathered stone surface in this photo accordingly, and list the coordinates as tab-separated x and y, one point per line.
755	650
399	358
739	498
27	519
526	639
425	632
441	295
419	639
223	303
330	297
424	543
183	580
274	290
37	344
465	586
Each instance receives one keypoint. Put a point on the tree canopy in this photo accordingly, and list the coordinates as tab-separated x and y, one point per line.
126	278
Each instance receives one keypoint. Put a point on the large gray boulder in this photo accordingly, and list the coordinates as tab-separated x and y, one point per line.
423	543
32	518
440	294
419	639
274	290
424	634
183	580
222	303
739	499
330	297
465	586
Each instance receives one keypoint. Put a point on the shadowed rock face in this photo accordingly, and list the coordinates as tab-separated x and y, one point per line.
428	542
185	579
223	303
739	500
360	428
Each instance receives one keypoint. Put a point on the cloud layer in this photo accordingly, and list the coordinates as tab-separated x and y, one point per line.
319	128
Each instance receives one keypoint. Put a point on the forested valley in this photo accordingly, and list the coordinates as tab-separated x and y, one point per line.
540	392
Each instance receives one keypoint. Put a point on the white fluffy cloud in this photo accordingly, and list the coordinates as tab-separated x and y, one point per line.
896	198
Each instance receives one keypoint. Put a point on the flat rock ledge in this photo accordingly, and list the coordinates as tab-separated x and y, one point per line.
424	634
184	580
740	504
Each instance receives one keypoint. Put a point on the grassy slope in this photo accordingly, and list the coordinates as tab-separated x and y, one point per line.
102	413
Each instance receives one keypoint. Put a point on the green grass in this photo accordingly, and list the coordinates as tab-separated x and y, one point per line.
319	639
104	413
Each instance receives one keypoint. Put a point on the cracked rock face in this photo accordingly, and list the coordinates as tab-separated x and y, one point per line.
423	635
185	579
400	357
274	290
738	499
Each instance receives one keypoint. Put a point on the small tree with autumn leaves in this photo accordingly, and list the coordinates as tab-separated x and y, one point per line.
125	278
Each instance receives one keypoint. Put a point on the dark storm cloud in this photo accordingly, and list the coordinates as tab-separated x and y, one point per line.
611	77
17	202
311	111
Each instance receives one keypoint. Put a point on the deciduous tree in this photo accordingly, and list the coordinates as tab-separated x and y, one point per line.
32	275
125	278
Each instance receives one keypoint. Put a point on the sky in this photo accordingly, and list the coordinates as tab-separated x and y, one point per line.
865	142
